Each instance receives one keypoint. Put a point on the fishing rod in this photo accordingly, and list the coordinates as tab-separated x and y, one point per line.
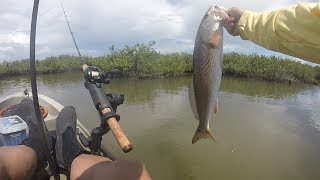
74	40
105	103
40	121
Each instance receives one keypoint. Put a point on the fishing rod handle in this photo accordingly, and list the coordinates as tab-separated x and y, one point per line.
99	99
118	133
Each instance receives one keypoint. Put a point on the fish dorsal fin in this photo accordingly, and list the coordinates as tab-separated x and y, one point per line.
192	100
216	107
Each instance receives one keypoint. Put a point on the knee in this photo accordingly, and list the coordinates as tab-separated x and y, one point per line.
69	108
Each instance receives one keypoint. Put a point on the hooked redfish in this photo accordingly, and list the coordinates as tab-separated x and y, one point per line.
207	71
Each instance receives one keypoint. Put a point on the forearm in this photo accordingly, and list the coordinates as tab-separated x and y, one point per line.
17	162
293	30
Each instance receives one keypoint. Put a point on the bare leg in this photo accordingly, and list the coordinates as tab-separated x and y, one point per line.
96	167
83	166
17	162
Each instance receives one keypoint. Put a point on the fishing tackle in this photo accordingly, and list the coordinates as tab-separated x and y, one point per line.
105	103
40	122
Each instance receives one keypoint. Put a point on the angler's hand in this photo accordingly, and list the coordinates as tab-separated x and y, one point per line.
231	23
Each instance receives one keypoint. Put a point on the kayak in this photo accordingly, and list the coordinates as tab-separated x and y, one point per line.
51	109
51	106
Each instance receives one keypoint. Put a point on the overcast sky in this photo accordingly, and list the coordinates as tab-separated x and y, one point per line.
98	24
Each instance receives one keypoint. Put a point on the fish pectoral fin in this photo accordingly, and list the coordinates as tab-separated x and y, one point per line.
202	134
192	100
215	39
216	107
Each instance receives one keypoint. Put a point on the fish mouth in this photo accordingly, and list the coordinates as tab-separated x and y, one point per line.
212	20
208	11
220	12
216	12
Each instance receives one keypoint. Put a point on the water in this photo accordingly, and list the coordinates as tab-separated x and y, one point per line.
264	130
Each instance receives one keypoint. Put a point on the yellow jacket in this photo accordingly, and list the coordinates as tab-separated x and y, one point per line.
294	30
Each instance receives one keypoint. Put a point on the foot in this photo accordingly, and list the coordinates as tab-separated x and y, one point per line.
67	147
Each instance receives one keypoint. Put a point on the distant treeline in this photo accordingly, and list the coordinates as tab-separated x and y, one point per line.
143	61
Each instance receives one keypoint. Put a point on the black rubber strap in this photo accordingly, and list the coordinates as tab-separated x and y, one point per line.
109	115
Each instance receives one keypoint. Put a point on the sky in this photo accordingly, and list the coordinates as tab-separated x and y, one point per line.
99	24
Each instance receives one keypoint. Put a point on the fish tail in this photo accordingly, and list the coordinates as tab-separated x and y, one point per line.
202	134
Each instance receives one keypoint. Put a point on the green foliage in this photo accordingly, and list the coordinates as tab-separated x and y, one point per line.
270	68
14	67
62	63
143	61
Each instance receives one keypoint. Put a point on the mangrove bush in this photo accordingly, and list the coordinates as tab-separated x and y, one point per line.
270	68
144	61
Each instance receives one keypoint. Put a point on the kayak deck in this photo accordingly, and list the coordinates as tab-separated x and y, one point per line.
51	105
53	108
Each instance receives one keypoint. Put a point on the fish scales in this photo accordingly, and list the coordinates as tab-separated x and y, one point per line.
207	72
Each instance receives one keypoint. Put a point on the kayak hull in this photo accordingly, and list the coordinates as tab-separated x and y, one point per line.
51	105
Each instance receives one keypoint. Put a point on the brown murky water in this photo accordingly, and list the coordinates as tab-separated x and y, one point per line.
264	130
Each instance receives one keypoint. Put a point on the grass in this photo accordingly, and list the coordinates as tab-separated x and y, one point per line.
143	61
270	68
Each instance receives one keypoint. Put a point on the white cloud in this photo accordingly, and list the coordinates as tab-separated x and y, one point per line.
15	38
99	24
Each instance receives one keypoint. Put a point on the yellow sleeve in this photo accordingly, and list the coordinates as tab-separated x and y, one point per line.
294	30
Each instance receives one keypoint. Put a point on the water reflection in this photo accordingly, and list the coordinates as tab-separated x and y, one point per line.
60	79
265	130
260	88
141	91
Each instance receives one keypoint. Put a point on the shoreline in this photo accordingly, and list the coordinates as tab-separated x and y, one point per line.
143	61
